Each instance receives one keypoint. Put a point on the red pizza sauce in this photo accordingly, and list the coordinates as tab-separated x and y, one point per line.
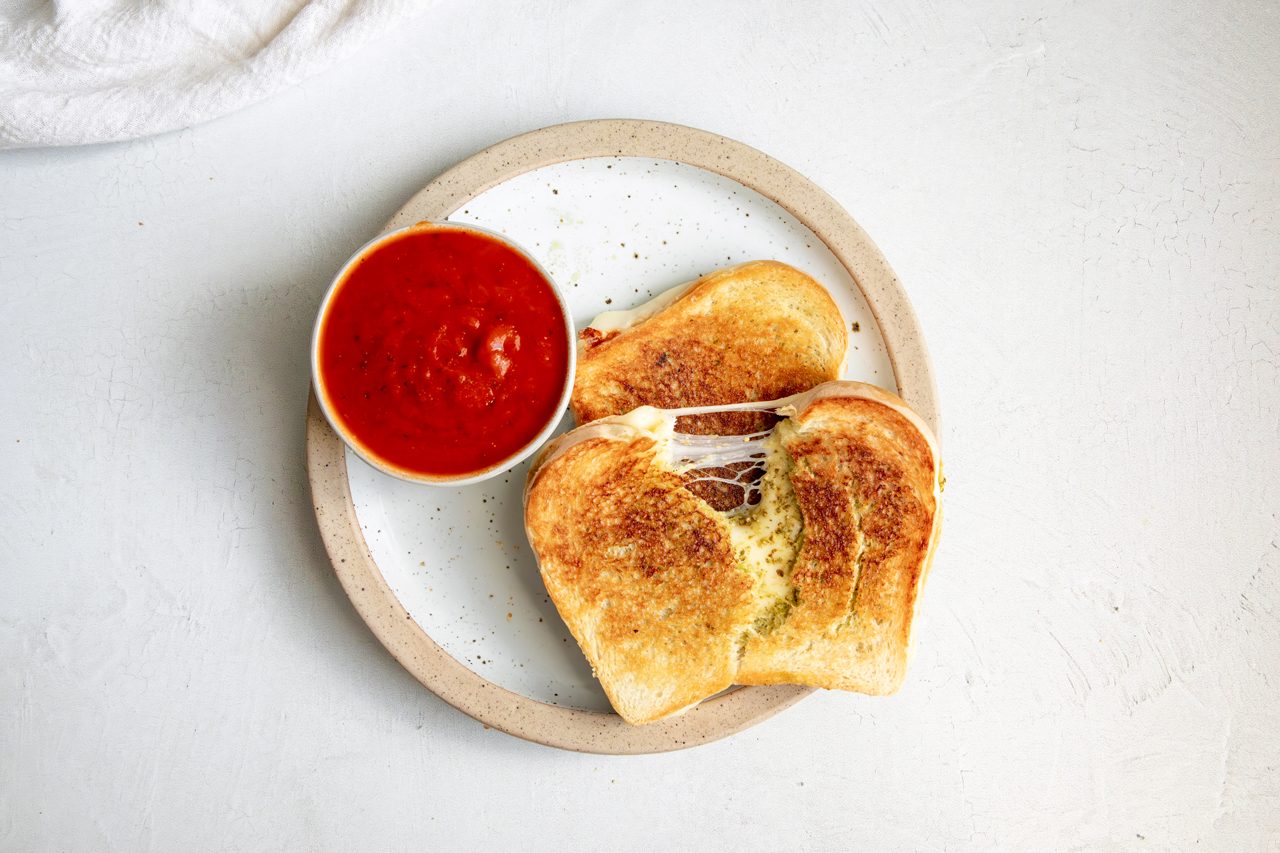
443	351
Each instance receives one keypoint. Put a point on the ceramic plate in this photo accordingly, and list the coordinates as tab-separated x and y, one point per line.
616	211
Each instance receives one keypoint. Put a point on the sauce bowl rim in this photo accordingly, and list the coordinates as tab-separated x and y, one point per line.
502	465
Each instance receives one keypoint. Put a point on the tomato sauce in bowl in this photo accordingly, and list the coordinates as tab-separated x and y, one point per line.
443	354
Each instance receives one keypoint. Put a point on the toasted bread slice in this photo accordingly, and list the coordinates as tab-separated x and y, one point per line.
757	331
867	479
641	571
815	584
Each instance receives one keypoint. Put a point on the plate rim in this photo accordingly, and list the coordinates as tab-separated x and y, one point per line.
553	725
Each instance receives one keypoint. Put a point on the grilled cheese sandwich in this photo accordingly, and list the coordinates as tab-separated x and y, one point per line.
673	600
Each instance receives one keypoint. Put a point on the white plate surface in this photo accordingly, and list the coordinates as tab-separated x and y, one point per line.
612	232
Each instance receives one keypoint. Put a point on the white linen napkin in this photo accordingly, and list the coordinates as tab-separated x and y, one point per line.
102	70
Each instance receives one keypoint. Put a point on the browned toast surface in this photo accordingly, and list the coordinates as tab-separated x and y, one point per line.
757	331
672	600
642	572
865	480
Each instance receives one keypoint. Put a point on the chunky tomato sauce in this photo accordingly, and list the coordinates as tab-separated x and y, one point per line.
443	352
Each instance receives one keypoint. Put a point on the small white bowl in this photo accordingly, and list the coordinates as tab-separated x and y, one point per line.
429	479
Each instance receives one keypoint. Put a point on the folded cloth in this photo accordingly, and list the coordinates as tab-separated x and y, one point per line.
103	70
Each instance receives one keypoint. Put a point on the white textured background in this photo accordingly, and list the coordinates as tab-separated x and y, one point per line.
1084	204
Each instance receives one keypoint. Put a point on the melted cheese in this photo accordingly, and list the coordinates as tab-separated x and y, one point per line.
655	423
766	537
617	321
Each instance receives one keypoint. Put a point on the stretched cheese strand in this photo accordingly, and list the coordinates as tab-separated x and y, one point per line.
702	458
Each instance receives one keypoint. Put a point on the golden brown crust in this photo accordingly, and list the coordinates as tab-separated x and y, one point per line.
866	482
641	572
757	331
646	577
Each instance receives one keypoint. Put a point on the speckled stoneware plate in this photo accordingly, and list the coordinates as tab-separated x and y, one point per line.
616	211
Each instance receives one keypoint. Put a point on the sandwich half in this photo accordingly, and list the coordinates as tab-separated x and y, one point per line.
757	331
672	600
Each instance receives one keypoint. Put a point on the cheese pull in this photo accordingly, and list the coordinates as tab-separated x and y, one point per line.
812	578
